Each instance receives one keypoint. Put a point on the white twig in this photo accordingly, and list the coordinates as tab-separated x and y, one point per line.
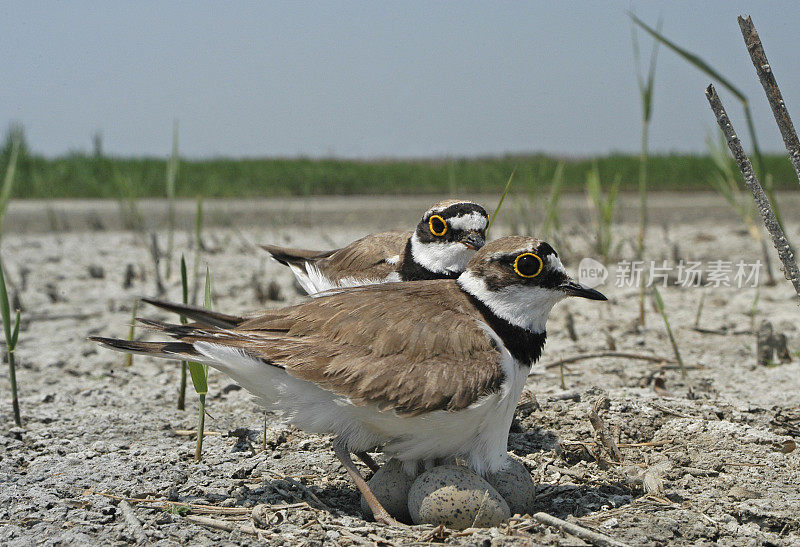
595	538
771	223
770	85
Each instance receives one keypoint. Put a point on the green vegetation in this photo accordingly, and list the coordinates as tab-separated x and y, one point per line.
762	167
657	300
14	148
84	176
646	94
132	332
11	334
198	371
184	364
603	205
500	203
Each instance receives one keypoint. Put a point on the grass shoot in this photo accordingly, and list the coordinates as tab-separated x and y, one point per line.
132	332
172	175
185	300
603	207
11	335
663	311
552	221
500	203
646	94
198	247
199	374
8	180
699	310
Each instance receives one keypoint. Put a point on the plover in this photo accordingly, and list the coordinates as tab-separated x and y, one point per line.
445	239
426	371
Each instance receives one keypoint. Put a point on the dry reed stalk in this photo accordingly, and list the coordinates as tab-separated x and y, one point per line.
762	202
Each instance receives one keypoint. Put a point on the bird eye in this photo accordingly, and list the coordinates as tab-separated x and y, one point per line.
528	265
437	225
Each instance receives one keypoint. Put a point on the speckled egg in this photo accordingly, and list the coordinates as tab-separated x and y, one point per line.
390	485
456	497
516	486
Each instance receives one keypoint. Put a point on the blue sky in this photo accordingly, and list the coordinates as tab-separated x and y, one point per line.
376	79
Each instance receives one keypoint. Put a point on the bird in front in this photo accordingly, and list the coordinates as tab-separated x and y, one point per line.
425	371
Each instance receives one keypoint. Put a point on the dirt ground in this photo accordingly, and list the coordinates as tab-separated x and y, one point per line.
711	458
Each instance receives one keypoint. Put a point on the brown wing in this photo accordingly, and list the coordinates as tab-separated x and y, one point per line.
366	257
412	347
296	257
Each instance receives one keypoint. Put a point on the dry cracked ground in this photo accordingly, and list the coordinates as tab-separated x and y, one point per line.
105	457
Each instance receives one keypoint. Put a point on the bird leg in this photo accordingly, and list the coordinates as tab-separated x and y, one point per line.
378	512
367	459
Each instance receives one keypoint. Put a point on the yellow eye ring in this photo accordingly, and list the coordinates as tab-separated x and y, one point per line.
516	265
433	231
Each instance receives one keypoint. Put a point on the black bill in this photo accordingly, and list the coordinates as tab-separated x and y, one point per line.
576	289
473	240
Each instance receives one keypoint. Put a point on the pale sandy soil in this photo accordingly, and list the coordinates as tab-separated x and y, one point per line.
718	439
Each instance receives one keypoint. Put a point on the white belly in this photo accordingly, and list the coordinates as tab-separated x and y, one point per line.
477	434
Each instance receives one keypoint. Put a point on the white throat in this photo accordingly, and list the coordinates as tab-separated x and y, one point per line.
450	257
522	306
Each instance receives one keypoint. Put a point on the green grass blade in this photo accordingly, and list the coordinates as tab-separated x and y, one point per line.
646	84
172	175
199	380
207	294
551	221
663	311
198	228
659	302
184	364
5	308
198	371
691	58
129	356
502	199
184	285
12	344
173	163
8	181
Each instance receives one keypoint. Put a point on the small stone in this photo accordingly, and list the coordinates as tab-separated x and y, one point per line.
100	447
456	497
390	485
516	485
96	272
740	493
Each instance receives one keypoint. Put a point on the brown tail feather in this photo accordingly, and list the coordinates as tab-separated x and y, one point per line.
176	331
166	350
295	257
201	315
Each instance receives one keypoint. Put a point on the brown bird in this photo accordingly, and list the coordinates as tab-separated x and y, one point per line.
445	239
427	371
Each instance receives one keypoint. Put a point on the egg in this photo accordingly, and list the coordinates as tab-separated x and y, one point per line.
516	485
456	497
390	485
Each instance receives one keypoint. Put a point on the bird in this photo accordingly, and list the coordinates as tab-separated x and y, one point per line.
426	371
445	239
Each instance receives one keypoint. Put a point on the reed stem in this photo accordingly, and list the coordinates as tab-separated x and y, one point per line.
201	424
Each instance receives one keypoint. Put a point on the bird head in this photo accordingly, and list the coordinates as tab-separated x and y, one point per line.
448	235
520	279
